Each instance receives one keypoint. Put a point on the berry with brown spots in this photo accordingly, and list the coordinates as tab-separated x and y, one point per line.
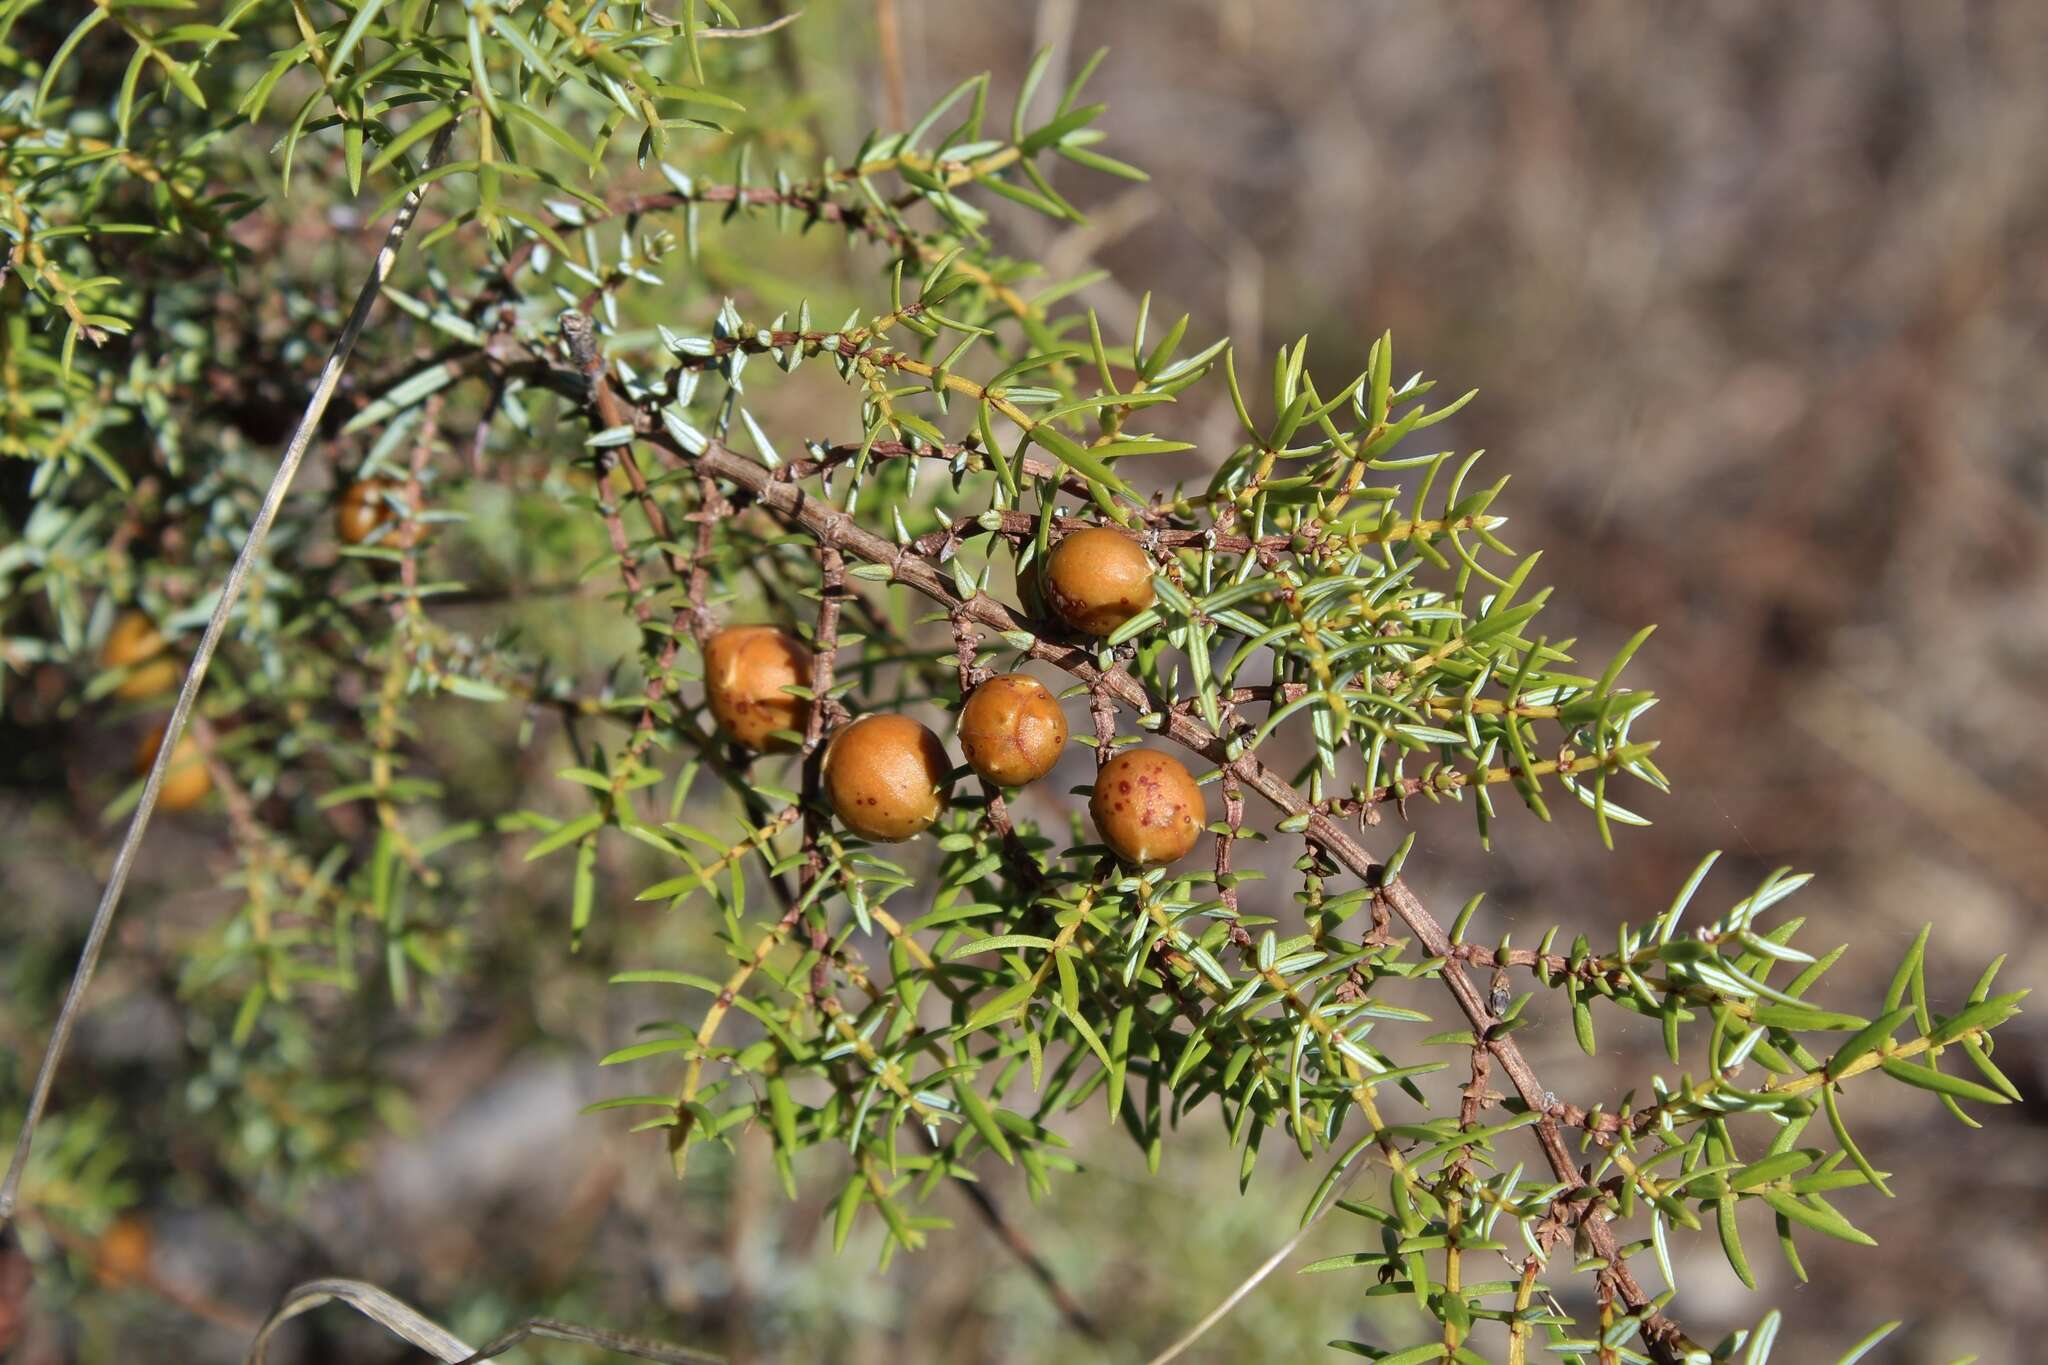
365	508
746	669
138	646
887	777
186	781
1147	807
1012	730
1096	579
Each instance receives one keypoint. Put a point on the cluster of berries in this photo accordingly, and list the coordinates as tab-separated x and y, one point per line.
887	777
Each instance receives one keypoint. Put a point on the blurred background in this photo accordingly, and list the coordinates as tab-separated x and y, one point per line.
1755	296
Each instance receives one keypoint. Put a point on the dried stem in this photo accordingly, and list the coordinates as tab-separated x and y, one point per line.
1253	1280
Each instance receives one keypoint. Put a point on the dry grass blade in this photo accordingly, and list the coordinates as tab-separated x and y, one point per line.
403	1320
618	1343
396	1316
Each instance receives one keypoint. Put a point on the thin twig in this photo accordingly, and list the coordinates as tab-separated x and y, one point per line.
195	674
824	661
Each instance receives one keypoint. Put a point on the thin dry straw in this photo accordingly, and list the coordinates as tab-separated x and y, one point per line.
401	1319
1257	1277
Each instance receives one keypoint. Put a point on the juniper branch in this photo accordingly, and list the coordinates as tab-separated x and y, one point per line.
833	527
